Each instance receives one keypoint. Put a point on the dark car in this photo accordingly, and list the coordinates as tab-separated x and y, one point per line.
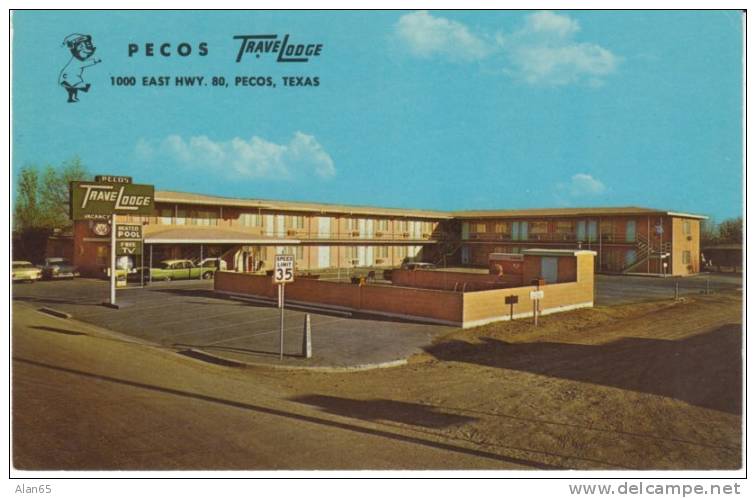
58	268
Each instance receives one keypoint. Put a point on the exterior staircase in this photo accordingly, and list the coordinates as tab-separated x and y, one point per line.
644	251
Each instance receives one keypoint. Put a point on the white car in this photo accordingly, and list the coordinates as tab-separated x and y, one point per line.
24	271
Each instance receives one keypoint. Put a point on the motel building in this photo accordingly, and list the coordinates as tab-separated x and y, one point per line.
246	234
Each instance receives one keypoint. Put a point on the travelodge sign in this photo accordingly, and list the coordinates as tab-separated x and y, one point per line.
99	200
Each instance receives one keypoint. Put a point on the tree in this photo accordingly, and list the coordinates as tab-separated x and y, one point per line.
26	212
709	232
54	192
42	207
731	231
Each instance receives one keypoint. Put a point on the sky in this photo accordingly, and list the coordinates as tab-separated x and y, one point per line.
443	110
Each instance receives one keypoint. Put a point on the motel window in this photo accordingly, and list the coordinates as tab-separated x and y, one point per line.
383	225
352	252
181	216
383	251
298	222
166	216
565	227
686	227
401	251
204	218
686	257
401	226
480	227
299	252
250	220
352	224
501	228
539	227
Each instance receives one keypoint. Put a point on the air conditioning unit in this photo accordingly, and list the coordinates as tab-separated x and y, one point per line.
379	261
379	234
405	235
426	235
291	232
690	237
354	261
355	233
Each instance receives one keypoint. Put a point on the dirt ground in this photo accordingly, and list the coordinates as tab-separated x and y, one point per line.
644	386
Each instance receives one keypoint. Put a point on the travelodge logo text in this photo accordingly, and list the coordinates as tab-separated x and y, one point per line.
283	49
92	200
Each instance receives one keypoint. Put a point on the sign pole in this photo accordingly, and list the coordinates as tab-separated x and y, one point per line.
113	259
281	335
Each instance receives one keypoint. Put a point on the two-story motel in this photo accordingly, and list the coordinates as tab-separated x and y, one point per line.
247	233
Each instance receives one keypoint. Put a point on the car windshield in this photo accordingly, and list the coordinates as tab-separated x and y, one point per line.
58	261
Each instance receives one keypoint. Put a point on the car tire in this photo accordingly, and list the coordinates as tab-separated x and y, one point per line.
167	279
208	275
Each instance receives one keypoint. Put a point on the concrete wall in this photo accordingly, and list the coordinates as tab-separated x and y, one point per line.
489	306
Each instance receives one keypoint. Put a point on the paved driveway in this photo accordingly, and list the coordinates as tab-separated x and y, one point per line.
624	289
188	315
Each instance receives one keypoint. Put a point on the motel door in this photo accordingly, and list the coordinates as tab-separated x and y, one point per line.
549	270
465	255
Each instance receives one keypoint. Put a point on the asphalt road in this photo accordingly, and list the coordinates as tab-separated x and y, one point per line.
83	399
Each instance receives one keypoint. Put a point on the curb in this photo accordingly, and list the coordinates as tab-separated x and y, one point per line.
54	312
324	369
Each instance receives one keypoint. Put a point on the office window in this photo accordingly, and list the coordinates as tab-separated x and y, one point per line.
686	257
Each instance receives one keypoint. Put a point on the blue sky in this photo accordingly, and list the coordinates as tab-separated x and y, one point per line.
439	110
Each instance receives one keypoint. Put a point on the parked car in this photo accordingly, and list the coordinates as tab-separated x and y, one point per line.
417	265
58	268
24	271
216	263
179	269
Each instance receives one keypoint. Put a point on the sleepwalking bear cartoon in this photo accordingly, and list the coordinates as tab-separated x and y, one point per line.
71	76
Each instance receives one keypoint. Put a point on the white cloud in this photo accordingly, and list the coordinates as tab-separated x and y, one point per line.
542	52
426	35
582	185
240	158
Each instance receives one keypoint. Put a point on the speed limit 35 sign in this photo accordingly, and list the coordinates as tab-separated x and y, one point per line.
283	272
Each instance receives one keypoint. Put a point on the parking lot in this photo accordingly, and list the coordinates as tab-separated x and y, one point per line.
188	316
626	289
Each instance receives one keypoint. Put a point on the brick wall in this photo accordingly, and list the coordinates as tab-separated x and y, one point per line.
449	280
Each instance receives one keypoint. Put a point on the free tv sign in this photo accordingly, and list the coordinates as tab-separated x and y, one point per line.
99	200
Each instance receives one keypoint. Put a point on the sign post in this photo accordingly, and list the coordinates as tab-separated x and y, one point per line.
283	273
105	198
511	301
536	296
